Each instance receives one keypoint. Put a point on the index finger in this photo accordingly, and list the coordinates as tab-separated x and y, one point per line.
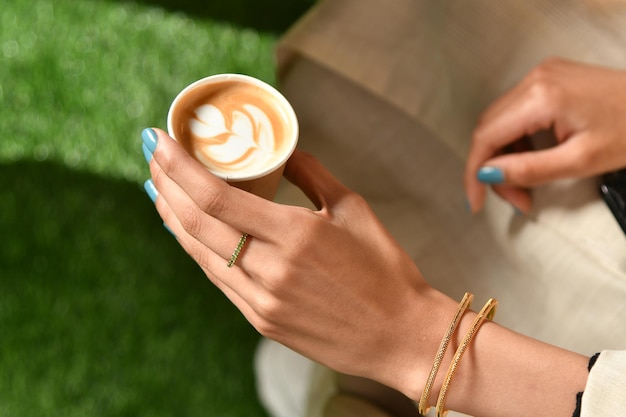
525	110
241	210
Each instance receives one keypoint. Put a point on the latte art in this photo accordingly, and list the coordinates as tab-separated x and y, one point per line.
238	127
238	137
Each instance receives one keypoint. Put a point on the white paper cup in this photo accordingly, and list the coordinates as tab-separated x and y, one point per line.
250	109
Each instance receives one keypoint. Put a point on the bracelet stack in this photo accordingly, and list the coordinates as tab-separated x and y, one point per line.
486	313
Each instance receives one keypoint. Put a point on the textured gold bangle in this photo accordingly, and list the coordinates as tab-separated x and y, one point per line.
423	406
487	312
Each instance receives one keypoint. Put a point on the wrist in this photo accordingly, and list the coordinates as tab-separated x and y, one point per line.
507	373
502	372
428	321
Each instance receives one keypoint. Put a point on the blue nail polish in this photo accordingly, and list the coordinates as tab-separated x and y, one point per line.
151	190
150	139
146	152
490	175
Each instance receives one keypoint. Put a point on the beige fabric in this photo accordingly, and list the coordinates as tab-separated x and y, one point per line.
606	388
437	59
290	385
348	406
387	93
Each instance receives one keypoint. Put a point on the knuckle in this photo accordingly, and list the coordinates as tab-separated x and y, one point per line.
545	89
278	278
360	208
269	309
352	202
301	246
267	329
545	69
537	74
266	309
541	91
168	162
583	158
190	218
213	200
546	94
354	199
308	229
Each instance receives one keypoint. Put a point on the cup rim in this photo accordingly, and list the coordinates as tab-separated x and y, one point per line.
259	83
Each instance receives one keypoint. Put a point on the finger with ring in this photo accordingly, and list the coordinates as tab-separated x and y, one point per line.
235	255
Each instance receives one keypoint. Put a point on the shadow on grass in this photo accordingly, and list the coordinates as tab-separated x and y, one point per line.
102	313
264	15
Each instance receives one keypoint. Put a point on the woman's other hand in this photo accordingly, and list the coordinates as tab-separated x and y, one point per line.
585	108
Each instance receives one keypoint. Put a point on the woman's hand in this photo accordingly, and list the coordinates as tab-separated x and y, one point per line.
331	284
585	108
335	286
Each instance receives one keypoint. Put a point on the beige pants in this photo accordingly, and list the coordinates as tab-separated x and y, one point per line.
387	93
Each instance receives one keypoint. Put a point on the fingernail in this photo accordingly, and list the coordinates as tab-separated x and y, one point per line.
151	190
149	138
490	175
146	152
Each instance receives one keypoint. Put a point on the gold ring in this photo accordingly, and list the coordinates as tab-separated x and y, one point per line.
233	257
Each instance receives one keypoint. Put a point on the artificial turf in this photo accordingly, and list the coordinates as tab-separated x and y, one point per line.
101	312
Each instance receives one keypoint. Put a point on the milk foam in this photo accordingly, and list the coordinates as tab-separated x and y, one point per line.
237	138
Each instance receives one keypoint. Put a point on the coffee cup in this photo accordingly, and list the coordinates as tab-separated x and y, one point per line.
240	128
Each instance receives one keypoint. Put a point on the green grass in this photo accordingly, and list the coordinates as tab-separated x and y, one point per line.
101	313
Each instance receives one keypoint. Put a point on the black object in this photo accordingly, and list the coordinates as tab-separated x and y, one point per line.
613	191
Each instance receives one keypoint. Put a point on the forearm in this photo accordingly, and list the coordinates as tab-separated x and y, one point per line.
504	373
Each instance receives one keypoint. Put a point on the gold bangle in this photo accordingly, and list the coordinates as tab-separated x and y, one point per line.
423	406
487	312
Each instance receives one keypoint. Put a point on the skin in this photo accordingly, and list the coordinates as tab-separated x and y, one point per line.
583	106
340	290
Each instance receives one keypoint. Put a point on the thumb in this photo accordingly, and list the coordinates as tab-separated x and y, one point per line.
318	184
532	168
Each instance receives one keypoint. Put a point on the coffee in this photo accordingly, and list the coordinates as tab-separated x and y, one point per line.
237	126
